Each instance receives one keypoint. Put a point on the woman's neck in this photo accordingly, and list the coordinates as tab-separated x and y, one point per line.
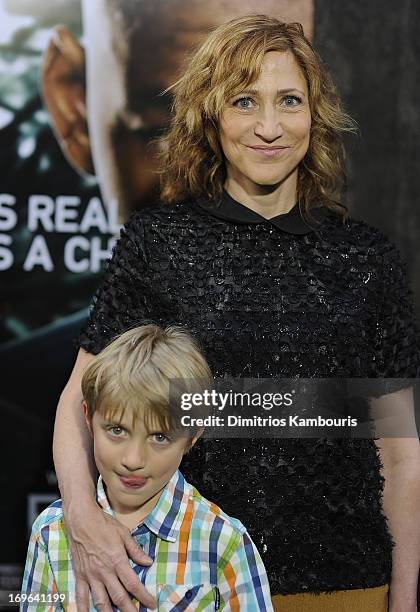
267	201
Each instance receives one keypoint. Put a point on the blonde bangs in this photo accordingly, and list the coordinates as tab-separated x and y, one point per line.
154	418
132	377
141	393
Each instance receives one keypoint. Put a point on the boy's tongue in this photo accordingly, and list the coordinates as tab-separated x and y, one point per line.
133	481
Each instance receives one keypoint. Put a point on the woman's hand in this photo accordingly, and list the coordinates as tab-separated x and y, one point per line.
99	546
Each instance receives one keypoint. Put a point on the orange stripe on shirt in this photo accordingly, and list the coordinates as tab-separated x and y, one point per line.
214	508
231	579
184	534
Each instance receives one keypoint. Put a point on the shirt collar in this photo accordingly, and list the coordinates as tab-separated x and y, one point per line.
166	517
291	222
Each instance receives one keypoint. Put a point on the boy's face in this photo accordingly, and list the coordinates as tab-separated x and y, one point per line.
135	463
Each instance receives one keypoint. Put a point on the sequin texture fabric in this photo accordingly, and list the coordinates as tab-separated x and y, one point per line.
270	303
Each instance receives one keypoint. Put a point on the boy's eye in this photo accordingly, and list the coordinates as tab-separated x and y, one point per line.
116	431
160	438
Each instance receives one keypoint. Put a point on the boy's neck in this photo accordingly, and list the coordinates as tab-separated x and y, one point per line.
130	521
132	517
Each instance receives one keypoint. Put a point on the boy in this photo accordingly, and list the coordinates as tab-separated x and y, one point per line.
202	559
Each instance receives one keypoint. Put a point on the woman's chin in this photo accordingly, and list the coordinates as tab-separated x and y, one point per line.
267	181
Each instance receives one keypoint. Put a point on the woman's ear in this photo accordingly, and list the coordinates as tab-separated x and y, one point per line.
64	93
87	417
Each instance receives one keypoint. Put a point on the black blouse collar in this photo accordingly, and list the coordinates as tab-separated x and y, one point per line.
291	222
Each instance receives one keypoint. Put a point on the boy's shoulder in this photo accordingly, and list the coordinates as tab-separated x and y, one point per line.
50	518
208	517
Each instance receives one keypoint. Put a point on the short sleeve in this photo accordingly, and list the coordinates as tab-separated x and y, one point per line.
243	584
387	394
397	346
122	300
38	577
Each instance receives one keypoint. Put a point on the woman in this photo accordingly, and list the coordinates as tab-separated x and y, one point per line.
252	251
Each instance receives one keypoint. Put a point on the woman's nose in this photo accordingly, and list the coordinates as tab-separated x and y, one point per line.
268	125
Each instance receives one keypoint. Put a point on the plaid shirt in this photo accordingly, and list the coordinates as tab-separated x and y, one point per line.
203	559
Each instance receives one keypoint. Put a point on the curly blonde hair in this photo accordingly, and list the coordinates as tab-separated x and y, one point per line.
228	61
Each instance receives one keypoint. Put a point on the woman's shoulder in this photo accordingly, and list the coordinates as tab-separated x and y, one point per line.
357	234
163	212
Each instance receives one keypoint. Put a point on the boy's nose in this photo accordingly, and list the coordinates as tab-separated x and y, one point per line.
132	466
134	458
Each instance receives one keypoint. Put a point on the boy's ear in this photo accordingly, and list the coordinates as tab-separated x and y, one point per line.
195	438
64	93
87	417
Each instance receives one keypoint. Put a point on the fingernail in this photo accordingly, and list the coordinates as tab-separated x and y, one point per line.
56	39
81	107
49	56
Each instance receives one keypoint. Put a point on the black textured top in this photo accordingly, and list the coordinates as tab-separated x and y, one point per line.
276	299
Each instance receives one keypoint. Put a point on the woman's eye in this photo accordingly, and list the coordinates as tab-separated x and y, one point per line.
243	103
291	101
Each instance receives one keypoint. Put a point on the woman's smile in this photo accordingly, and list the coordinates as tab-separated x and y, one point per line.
269	151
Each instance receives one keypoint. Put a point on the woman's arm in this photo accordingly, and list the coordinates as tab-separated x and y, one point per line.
397	356
99	543
401	469
70	432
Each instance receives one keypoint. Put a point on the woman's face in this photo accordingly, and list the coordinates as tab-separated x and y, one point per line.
264	130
